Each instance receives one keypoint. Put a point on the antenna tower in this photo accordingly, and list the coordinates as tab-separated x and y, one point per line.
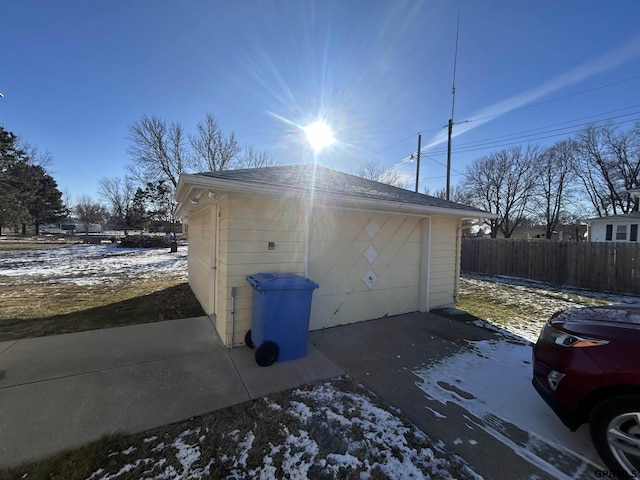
453	104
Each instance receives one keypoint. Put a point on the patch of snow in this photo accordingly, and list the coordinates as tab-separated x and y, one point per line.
300	452
385	435
273	406
158	448
346	460
492	382
125	469
90	264
244	446
300	411
187	454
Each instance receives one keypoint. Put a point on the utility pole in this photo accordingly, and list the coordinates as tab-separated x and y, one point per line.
418	158
453	104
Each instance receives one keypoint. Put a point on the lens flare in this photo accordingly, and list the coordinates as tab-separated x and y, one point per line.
319	135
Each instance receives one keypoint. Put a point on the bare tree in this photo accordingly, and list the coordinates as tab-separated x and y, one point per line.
118	194
251	158
157	150
457	194
374	171
608	164
502	183
89	212
211	149
461	195
67	199
35	156
556	174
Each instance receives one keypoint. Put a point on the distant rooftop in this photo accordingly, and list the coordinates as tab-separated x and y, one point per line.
623	216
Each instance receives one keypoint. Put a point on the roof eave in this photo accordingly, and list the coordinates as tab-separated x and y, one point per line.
190	183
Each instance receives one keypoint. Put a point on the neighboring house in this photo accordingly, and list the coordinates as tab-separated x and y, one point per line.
530	233
375	250
616	228
576	232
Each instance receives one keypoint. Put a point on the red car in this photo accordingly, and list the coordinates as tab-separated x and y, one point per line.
587	368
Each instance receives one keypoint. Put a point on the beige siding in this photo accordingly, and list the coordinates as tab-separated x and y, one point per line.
247	225
338	241
337	263
444	249
200	257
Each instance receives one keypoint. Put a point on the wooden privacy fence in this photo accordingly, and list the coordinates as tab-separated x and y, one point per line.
601	266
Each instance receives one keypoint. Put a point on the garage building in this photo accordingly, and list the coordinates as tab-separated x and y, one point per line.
374	249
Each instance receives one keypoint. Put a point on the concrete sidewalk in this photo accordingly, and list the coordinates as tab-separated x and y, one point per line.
63	391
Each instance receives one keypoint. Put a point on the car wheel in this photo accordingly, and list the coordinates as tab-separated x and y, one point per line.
267	353
247	339
615	431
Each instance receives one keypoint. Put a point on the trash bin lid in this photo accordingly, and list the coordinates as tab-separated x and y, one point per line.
280	281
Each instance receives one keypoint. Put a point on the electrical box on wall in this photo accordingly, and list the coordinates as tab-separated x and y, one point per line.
272	245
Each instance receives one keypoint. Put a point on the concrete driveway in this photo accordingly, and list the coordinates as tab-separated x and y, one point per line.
384	355
63	391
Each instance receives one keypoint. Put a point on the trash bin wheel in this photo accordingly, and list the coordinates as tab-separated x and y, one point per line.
247	340
267	353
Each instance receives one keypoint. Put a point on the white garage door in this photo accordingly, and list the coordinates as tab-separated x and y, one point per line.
367	266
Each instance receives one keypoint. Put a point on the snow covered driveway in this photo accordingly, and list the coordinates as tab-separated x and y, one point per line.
491	379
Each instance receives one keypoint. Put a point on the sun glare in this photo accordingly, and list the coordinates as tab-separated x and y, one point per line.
319	135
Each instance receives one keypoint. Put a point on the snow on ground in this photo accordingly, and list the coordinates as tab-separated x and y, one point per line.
533	302
90	264
325	432
492	381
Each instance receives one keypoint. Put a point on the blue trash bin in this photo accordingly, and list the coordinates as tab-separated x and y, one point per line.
280	320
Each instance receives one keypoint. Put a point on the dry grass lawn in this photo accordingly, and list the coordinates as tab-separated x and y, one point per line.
53	309
33	305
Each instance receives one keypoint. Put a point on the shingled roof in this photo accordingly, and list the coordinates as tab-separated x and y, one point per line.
326	180
622	216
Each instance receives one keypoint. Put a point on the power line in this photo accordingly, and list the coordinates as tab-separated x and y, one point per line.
487	144
553	125
555	99
390	146
484	145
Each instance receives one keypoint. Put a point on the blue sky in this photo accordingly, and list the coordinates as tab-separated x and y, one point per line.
75	74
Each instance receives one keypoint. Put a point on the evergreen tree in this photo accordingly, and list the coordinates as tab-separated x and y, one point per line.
44	204
13	181
136	215
28	194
